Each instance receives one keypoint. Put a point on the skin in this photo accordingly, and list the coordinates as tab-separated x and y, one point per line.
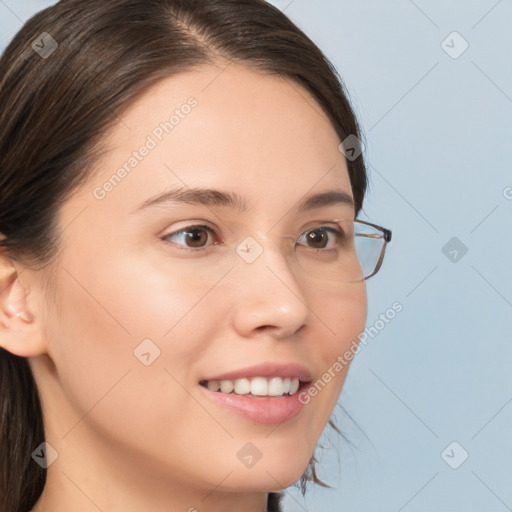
131	437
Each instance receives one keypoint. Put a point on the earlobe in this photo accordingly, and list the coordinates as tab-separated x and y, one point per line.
20	331
25	316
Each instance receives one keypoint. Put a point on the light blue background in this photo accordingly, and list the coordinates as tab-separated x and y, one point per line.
438	141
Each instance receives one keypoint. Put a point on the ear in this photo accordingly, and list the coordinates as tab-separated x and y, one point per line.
20	331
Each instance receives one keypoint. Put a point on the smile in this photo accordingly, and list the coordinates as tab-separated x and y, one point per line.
256	386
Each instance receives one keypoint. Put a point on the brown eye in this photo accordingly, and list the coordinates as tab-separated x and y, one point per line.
319	238
192	237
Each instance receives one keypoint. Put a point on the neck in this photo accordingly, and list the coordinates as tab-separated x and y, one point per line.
66	491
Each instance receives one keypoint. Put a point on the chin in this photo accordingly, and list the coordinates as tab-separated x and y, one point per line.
268	477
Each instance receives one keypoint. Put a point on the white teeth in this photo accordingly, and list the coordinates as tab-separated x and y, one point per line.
276	386
242	386
226	386
257	386
294	386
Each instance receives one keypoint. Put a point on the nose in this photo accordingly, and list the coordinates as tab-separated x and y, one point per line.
266	293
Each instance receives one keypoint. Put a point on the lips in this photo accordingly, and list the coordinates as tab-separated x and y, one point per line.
268	409
264	410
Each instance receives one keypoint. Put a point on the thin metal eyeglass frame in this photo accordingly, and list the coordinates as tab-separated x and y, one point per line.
386	236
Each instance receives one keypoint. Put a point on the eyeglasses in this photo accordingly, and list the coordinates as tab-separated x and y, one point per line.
338	251
358	257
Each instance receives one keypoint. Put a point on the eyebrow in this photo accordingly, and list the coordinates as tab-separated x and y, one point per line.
212	197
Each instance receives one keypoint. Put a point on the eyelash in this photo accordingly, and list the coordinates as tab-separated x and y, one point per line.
339	235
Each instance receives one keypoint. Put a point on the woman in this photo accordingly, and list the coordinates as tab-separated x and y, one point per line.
179	271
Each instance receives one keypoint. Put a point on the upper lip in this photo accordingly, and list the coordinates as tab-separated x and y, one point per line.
285	370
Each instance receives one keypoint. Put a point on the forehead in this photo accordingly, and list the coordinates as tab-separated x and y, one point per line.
261	136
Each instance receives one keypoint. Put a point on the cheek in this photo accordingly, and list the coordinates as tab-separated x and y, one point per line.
111	318
117	300
104	317
341	317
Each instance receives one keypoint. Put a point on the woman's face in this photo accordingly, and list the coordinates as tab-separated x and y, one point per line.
138	321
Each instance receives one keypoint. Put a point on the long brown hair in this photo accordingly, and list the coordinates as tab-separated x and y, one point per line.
64	79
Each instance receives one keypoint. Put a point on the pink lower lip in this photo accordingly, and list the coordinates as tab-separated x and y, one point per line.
264	410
